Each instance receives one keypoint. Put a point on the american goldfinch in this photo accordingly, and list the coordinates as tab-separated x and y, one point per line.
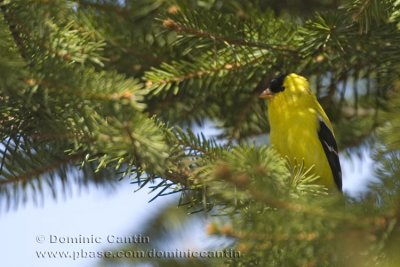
300	129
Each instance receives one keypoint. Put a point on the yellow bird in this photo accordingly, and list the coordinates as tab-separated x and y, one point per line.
300	128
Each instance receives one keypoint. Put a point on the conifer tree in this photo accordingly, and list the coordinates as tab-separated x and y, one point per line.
92	91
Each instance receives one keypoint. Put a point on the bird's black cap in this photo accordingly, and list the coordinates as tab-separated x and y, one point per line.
276	85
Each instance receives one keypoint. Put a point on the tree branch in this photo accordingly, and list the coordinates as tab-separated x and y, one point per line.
174	26
16	34
36	172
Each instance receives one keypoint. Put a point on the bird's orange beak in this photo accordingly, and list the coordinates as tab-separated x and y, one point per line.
266	94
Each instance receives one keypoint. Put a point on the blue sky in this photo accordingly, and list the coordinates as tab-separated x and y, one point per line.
92	213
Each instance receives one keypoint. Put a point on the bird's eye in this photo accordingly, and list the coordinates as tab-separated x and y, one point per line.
276	84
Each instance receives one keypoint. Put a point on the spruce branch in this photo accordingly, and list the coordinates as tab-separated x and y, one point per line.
367	12
106	7
14	29
140	10
191	75
177	76
246	109
138	49
172	25
34	173
214	229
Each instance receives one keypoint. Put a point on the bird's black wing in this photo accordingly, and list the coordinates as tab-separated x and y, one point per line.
331	151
